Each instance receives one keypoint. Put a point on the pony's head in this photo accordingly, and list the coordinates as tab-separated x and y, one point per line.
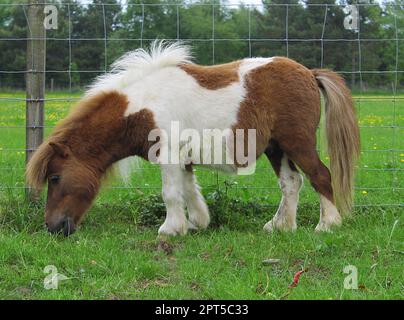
74	158
81	149
72	185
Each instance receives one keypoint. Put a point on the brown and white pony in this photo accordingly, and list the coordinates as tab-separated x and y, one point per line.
147	91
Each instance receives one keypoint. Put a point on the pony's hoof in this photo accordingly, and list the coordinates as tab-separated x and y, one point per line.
169	229
269	227
326	227
199	221
329	224
191	226
322	227
272	225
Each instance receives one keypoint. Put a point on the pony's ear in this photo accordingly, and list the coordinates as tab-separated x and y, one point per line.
60	149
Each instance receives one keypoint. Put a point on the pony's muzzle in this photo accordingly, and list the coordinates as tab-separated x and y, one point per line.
66	225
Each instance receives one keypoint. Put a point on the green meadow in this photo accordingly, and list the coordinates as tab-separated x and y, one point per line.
116	254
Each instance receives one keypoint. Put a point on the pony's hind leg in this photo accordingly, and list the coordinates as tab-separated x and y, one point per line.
198	212
320	178
290	182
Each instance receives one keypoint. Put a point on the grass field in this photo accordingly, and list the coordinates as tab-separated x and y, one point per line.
115	254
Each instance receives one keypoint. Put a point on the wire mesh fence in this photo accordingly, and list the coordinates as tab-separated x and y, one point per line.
362	41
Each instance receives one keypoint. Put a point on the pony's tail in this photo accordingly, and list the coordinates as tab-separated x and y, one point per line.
342	132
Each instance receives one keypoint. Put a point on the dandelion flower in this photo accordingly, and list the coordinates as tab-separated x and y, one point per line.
364	192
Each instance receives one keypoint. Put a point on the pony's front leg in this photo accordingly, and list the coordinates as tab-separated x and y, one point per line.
173	195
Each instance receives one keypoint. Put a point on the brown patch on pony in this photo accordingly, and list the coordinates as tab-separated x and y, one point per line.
97	133
213	77
138	126
282	102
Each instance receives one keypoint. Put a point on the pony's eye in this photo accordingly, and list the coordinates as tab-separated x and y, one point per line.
54	179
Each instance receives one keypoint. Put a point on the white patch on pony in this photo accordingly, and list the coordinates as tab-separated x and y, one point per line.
329	215
174	95
290	182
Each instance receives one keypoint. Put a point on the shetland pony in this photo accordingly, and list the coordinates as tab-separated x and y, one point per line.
147	91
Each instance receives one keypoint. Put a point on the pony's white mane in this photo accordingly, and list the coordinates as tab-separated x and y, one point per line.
136	64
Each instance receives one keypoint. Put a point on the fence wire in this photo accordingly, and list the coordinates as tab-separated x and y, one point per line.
379	180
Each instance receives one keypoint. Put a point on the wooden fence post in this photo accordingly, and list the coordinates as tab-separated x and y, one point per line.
35	81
